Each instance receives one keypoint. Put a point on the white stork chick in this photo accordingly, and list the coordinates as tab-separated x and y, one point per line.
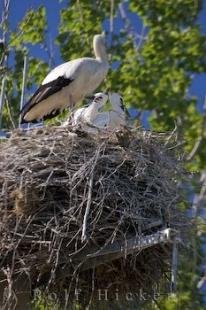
67	84
110	116
118	113
100	115
86	116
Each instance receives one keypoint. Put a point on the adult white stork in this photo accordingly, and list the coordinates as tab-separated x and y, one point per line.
100	115
67	84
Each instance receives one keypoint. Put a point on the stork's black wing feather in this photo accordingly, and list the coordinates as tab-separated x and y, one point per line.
43	92
123	107
52	114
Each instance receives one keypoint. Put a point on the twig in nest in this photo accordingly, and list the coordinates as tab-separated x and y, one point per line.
84	228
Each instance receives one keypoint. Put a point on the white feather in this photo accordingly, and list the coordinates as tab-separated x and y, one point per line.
86	74
94	118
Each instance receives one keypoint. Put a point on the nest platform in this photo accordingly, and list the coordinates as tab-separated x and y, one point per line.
88	213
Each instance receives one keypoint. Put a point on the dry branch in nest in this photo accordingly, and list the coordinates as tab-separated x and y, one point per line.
74	209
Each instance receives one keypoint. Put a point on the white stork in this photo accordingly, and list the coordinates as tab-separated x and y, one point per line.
100	115
67	84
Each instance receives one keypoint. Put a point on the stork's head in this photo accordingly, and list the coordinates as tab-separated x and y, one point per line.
116	100
99	39
100	99
99	47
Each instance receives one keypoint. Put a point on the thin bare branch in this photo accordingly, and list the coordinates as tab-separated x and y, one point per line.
24	80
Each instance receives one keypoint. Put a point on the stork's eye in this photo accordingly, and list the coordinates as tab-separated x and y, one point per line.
98	98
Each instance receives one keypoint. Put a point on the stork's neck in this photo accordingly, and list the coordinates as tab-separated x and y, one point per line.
90	113
100	52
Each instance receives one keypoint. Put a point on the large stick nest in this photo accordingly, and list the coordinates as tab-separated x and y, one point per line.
65	195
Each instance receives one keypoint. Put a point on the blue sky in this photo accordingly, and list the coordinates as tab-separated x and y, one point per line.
18	10
19	7
198	87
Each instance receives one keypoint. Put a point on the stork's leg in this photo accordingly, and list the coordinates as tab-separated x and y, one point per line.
71	106
71	102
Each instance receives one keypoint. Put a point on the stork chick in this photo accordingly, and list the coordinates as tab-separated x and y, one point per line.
101	115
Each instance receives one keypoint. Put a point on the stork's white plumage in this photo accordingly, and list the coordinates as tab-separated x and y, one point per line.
67	84
100	115
86	117
118	113
93	115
